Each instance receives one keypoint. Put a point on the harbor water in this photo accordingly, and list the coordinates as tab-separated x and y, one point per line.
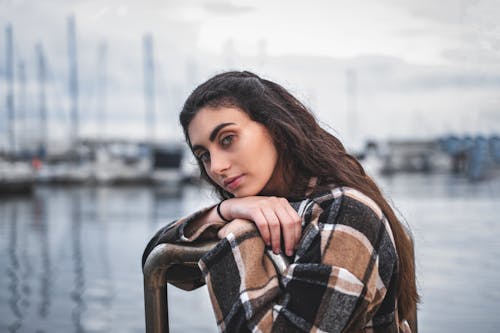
70	256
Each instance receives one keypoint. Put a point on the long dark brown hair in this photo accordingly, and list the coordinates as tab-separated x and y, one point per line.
305	150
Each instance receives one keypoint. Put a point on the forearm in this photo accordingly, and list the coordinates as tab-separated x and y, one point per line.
249	294
201	224
246	292
274	217
207	218
218	214
333	282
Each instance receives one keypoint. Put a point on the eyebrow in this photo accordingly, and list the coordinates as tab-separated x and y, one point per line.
213	134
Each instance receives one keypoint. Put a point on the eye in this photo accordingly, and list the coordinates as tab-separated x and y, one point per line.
204	157
227	140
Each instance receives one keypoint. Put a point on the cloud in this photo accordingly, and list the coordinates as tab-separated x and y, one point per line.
226	8
467	32
452	12
473	56
458	44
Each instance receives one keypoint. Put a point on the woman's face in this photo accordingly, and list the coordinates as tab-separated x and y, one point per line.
238	153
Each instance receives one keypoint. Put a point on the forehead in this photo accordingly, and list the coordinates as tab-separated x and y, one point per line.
207	119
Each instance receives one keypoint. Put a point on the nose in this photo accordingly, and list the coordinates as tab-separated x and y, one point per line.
219	163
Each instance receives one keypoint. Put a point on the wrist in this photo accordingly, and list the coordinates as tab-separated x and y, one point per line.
223	214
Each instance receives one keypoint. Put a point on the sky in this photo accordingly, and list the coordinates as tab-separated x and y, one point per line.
423	32
384	69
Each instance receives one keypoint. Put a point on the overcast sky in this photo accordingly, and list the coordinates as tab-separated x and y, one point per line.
424	32
301	44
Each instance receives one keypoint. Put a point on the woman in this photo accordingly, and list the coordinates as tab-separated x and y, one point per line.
307	241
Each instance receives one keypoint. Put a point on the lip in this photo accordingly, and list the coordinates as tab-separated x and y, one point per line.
233	182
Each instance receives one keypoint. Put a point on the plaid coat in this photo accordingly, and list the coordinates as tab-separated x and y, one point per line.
342	277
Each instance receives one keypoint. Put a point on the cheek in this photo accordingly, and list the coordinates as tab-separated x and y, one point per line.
268	157
205	171
210	175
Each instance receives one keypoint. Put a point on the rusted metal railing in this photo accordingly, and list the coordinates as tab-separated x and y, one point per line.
173	263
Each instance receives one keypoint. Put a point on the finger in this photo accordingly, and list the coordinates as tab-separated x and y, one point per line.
274	229
287	229
296	222
261	223
298	234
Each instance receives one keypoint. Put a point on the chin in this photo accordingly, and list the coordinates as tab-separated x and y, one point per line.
240	193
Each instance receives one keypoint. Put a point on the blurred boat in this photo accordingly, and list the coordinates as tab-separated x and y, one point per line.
16	177
167	164
63	172
477	157
116	169
115	163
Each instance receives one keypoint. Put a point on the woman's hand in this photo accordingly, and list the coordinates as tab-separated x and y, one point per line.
273	217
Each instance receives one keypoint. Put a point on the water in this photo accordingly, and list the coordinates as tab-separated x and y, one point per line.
70	257
70	260
456	225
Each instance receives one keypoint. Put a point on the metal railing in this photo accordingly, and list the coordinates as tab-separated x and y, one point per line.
178	265
173	263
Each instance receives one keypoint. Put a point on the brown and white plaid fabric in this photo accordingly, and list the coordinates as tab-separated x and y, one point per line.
342	277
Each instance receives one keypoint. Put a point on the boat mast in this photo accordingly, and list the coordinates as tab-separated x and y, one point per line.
9	71
42	100
101	91
21	109
149	86
352	87
73	81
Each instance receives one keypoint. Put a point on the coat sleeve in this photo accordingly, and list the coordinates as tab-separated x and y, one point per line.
335	282
179	232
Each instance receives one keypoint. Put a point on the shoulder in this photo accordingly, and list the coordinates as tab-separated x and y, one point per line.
349	210
348	200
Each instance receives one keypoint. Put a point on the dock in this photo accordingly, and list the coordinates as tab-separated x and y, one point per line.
474	157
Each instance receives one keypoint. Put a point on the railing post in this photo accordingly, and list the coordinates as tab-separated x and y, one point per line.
157	272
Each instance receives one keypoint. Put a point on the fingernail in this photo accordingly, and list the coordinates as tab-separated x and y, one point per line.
289	253
277	251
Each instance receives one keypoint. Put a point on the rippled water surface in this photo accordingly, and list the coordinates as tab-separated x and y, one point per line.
70	257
